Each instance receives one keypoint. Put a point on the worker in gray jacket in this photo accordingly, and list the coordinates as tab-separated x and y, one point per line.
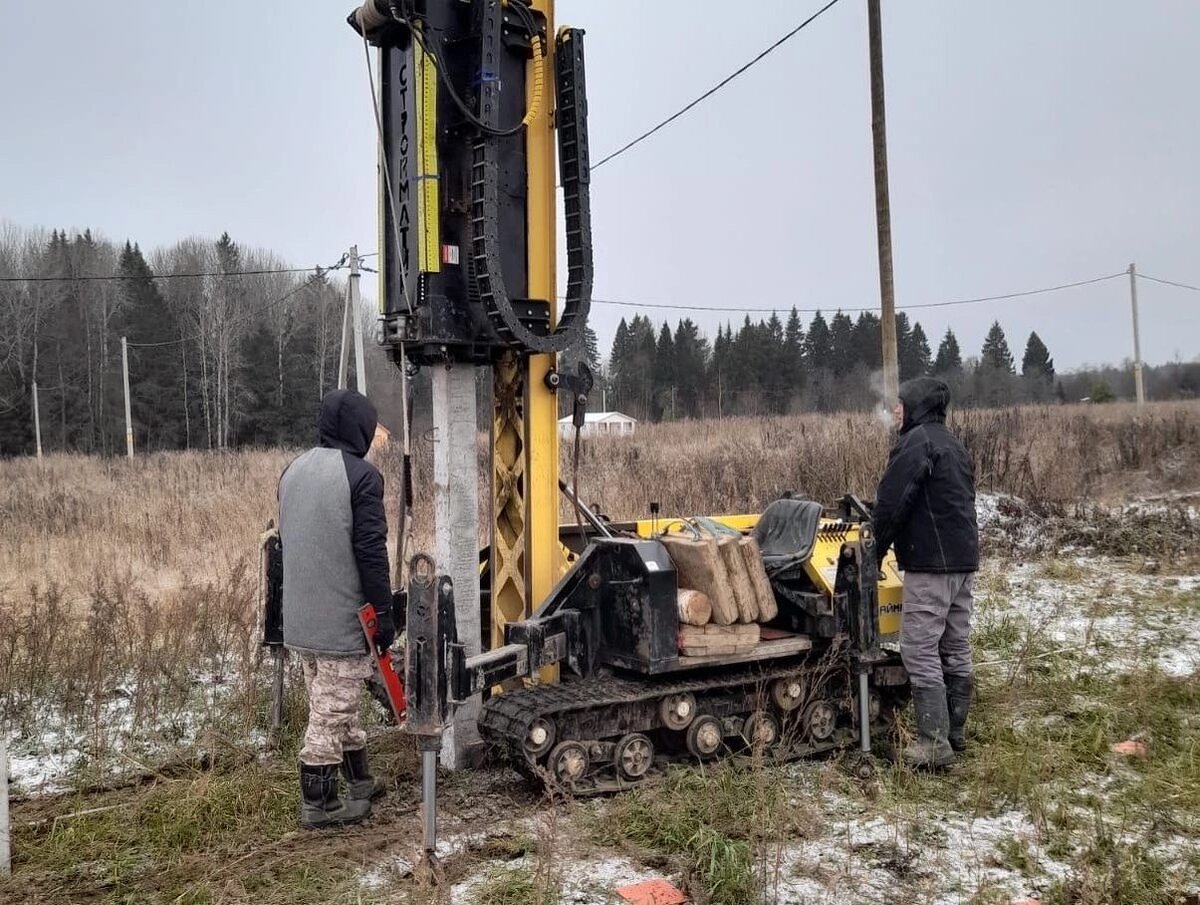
334	533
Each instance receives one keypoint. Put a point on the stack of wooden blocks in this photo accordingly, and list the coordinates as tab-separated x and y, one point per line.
724	592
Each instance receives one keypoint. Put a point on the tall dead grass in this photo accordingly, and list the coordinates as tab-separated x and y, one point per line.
138	580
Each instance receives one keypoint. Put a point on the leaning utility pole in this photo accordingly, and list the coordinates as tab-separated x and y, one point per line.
1137	343
352	320
128	414
883	211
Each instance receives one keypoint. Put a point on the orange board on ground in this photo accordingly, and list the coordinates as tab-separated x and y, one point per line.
652	892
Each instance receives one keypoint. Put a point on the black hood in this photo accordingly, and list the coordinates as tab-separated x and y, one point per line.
347	422
925	400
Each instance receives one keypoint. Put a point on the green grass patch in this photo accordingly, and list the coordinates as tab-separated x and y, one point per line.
718	822
520	885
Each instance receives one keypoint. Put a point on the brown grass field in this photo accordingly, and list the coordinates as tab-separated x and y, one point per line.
128	636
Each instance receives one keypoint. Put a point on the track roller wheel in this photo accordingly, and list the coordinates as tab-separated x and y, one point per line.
704	737
761	731
819	720
634	756
677	710
540	737
787	693
569	762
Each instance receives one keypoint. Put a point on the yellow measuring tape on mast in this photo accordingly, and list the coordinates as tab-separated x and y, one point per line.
427	163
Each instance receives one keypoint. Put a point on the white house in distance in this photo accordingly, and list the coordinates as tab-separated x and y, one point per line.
599	424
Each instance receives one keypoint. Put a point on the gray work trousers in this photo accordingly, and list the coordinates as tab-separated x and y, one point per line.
935	626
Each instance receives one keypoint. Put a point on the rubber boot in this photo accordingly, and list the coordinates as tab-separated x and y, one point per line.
958	702
319	803
932	748
360	784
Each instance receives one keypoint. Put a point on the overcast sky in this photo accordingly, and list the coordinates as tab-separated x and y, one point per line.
1031	143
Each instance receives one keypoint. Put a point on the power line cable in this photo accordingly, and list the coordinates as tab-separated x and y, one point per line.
240	320
715	88
946	304
156	276
1142	276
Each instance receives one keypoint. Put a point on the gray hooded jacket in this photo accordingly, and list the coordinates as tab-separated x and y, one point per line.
334	533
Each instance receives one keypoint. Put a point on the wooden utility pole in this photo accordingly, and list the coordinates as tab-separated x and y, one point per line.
352	320
883	210
128	412
37	421
1137	343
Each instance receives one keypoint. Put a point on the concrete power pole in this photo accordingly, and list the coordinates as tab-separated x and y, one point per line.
37	421
1137	343
352	320
128	413
5	846
883	210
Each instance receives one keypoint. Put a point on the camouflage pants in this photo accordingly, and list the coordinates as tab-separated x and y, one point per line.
334	685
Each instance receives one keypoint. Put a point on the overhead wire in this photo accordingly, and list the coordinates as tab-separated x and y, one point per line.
717	87
318	274
945	304
1142	276
154	276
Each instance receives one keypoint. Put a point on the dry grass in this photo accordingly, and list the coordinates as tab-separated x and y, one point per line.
128	602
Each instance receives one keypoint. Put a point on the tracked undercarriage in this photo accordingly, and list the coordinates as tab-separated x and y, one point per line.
607	734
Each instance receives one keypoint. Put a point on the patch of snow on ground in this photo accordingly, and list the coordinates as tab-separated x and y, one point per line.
945	859
45	758
1106	609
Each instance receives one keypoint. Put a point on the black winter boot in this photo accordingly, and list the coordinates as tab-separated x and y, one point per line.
931	750
319	803
958	702
359	781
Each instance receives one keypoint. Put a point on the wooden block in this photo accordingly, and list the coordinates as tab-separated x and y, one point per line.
739	578
694	607
698	565
768	608
711	639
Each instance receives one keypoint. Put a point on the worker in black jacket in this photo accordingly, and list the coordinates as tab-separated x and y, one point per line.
925	506
334	533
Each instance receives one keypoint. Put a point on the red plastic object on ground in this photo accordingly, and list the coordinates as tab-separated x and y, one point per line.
652	892
369	621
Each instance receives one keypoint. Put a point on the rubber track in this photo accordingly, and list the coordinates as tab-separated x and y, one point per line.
505	719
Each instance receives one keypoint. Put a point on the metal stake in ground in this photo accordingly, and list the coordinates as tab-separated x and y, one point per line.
37	421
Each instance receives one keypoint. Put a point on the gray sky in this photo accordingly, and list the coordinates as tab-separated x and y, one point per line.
1030	144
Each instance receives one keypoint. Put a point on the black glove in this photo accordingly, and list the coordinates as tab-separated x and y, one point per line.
400	609
385	630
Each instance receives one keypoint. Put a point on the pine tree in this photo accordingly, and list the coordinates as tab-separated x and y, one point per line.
914	354
772	371
995	376
156	400
1037	362
618	368
949	357
793	351
818	345
691	359
1037	369
841	341
995	353
868	341
664	374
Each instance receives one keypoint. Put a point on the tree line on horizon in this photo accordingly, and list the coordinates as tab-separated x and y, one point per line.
226	360
774	366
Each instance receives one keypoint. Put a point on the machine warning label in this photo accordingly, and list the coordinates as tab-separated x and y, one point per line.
449	254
